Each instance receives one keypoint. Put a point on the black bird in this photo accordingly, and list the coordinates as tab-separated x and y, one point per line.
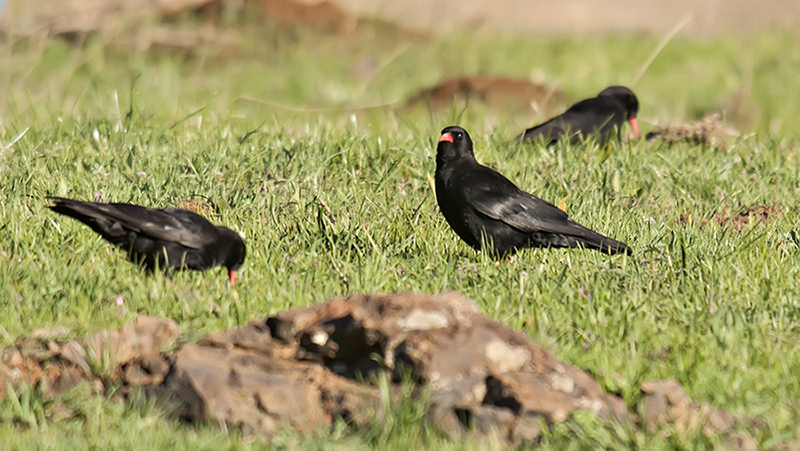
602	115
485	208
168	238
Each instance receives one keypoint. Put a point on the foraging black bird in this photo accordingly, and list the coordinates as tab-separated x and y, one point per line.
602	115
168	238
482	206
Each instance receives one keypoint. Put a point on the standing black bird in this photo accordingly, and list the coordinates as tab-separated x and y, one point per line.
168	238
602	115
482	206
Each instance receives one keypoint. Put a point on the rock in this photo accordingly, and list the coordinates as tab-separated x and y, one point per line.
308	366
45	334
741	441
150	370
666	403
145	336
351	358
245	389
37	360
60	378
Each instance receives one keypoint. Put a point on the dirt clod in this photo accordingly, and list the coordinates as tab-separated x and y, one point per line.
758	214
666	404
710	131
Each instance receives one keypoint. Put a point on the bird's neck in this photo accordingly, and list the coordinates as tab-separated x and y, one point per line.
447	168
449	160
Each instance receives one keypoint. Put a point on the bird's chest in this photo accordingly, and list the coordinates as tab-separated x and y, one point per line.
458	213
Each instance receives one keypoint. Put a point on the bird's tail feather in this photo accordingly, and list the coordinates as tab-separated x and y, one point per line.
600	243
93	216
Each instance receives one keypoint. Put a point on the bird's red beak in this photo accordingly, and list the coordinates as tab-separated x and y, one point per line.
232	277
446	137
634	126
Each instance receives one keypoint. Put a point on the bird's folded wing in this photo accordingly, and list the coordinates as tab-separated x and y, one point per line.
522	211
551	130
178	226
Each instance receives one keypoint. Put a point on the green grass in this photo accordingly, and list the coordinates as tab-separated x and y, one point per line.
339	201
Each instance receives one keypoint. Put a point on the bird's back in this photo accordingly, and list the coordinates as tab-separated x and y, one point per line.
582	119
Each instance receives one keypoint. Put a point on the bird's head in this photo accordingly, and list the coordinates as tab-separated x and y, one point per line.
627	99
454	144
236	251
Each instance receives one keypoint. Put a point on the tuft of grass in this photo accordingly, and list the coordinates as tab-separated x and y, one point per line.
333	200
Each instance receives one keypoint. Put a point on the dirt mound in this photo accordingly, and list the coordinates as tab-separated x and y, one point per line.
306	367
760	214
666	404
710	131
322	15
494	91
303	368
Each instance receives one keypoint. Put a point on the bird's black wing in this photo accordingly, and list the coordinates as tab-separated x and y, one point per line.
498	198
171	224
551	130
585	117
113	220
196	231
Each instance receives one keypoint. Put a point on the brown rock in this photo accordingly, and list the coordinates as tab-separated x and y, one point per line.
150	370
109	349
306	367
18	370
36	359
74	353
666	403
49	334
741	441
245	389
145	336
60	378
481	375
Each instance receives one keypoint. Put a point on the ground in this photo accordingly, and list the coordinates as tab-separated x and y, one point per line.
297	141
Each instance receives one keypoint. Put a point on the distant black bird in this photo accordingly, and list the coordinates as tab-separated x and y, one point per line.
602	115
482	206
168	238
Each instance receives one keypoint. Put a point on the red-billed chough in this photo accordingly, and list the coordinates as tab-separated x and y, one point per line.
602	115
168	238
484	207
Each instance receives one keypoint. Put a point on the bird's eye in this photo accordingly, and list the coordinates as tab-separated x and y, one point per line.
458	135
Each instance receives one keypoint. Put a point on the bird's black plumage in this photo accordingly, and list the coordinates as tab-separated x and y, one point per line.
168	238
484	207
603	115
